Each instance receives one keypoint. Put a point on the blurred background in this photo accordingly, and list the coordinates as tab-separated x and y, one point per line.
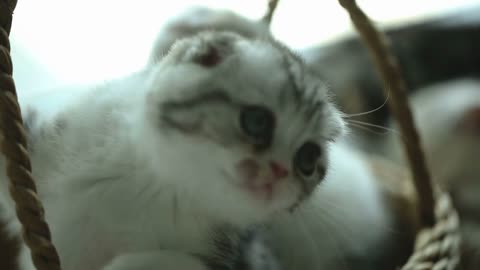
61	42
67	41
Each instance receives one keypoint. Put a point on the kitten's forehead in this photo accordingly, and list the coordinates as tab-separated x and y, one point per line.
270	62
274	76
271	67
256	72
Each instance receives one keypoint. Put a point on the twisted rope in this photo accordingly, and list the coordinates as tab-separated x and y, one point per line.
6	11
29	209
438	247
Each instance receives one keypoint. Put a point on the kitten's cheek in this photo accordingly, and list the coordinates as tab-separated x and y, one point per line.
292	191
247	169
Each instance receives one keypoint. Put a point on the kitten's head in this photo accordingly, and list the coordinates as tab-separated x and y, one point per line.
241	127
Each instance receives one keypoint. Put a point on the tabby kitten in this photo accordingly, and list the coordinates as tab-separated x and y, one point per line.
223	132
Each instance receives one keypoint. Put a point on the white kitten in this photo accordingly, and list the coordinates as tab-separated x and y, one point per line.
223	132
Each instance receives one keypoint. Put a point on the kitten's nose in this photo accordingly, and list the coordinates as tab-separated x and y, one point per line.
279	170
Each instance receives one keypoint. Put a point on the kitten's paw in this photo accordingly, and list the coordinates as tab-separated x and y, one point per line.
257	255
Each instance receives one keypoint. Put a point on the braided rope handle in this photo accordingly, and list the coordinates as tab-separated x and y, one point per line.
437	246
29	209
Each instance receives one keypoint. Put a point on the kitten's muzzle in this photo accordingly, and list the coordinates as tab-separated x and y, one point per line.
279	170
255	174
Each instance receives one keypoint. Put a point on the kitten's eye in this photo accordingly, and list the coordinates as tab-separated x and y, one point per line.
257	122
306	158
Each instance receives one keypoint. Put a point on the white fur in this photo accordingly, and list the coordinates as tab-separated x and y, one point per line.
344	217
120	194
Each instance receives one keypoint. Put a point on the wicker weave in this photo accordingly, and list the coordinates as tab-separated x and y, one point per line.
438	248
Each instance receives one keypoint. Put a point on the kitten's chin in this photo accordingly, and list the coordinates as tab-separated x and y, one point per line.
268	195
258	205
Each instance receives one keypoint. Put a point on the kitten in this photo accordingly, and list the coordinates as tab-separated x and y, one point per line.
224	132
448	120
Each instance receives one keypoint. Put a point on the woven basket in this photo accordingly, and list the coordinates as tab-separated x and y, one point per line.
437	242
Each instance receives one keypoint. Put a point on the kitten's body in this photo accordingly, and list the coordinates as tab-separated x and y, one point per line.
123	171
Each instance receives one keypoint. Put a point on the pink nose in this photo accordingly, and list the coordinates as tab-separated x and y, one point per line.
279	171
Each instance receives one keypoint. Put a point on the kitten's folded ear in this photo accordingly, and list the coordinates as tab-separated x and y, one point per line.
208	49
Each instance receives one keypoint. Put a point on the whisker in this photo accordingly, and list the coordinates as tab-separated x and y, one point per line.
368	129
336	248
309	235
371	111
345	230
338	207
358	124
339	252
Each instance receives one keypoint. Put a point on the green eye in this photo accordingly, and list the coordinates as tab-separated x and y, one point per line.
306	158
257	122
